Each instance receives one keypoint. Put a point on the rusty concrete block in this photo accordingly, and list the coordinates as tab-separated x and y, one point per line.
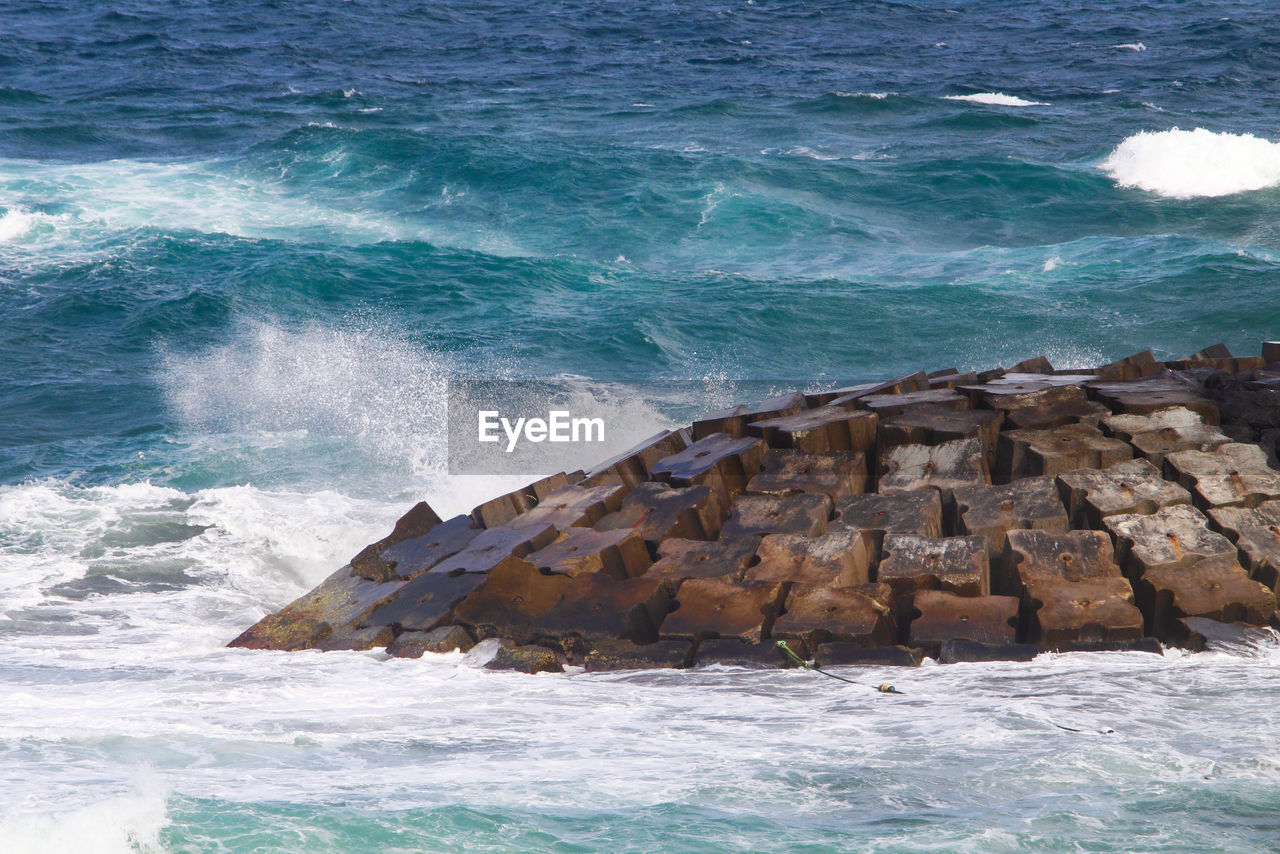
427	601
608	656
909	468
951	378
1034	365
509	603
1133	487
888	405
841	559
501	510
528	658
957	651
1216	588
850	395
441	640
707	607
632	466
420	520
491	547
574	506
819	614
1271	352
806	513
957	565
735	420
719	461
1172	537
1232	474
907	513
1025	453
660	512
1127	426
1129	368
729	421
828	428
1082	612
414	556
1056	415
1256	533
1034	557
352	639
832	654
343	600
596	605
933	425
1152	393
619	553
725	560
946	616
835	473
1016	390
993	511
285	633
732	652
1157	445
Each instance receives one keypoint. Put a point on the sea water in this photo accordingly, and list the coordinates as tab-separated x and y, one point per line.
244	247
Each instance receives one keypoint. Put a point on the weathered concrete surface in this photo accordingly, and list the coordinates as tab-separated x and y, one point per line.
501	510
607	656
598	606
946	616
906	512
946	466
443	639
428	601
1132	487
1026	453
619	553
888	405
525	659
1018	390
1083	612
736	420
828	428
719	461
418	521
707	608
1256	533
1049	415
731	652
839	559
849	395
493	546
834	473
1170	538
633	466
412	557
957	565
1159	390
574	506
817	614
1157	444
725	560
658	512
805	513
994	511
933	425
1217	588
833	654
510	603
1232	474
1127	426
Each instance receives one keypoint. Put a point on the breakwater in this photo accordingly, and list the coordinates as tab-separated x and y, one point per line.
962	516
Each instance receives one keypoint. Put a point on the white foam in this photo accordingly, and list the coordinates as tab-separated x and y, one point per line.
996	99
123	197
127	824
1183	164
1136	47
1052	263
875	96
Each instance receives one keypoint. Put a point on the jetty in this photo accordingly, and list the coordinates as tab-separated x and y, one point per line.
956	515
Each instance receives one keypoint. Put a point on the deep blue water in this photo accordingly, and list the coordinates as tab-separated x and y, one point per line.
243	246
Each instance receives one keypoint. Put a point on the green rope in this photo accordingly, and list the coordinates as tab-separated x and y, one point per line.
809	665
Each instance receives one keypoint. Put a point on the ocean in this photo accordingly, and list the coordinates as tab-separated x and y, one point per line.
245	247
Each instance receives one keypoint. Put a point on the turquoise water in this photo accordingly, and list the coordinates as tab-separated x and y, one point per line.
245	247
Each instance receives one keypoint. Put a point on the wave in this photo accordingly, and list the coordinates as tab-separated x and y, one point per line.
1136	47
995	99
127	824
90	200
1182	164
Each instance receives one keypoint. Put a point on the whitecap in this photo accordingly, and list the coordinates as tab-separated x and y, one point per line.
1136	47
1184	164
995	99
875	96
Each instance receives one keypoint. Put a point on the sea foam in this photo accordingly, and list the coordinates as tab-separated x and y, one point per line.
995	99
1184	164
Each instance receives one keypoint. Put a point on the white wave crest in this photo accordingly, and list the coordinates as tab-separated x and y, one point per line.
129	824
874	96
1136	47
1184	164
995	99
18	222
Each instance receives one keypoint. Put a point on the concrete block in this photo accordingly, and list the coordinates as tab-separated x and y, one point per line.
1130	487
835	473
1233	474
725	560
1026	453
842	559
805	513
992	511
